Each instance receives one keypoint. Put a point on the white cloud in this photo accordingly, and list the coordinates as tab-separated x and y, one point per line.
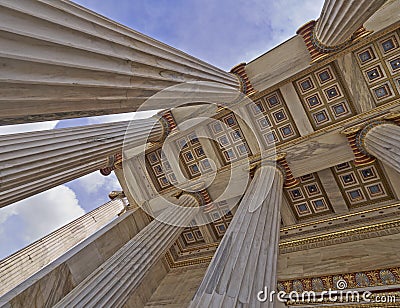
96	182
36	217
28	127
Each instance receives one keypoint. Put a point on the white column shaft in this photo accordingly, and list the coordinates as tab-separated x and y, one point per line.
34	162
246	259
340	19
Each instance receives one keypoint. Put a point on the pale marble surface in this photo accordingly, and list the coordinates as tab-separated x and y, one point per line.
178	287
383	142
360	255
287	213
296	109
123	273
152	281
245	260
386	16
393	178
36	161
332	191
360	95
278	64
327	150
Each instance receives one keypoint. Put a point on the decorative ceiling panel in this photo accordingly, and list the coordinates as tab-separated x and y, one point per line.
362	185
232	145
191	245
380	64
192	156
221	216
324	97
273	120
160	170
191	235
308	198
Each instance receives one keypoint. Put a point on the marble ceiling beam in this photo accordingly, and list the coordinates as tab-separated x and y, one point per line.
59	60
36	161
113	282
24	263
340	20
246	260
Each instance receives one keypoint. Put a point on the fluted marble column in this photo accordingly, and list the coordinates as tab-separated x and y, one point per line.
24	263
341	19
112	284
246	260
34	162
382	140
59	60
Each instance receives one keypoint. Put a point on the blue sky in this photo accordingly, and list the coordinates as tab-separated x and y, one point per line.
221	32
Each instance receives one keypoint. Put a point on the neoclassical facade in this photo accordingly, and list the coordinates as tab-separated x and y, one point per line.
282	175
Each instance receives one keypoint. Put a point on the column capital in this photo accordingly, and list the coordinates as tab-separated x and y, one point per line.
362	133
339	25
116	194
201	195
290	180
356	137
182	195
318	50
360	156
280	163
306	31
113	162
358	34
245	85
393	116
380	138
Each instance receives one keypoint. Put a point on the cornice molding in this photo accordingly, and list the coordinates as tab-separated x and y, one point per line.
343	236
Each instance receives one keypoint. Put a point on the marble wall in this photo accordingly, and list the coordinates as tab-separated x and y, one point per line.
53	282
